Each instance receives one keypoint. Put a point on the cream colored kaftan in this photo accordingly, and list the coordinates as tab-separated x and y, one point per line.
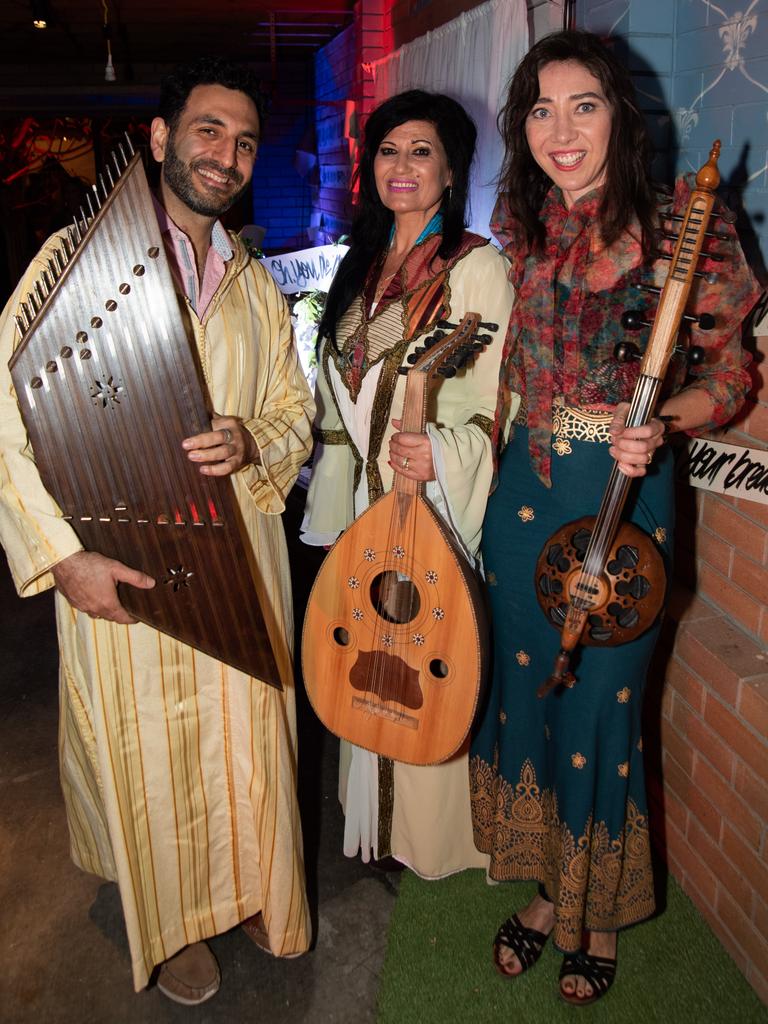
179	772
421	815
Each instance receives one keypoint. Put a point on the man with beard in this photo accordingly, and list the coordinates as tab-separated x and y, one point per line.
178	771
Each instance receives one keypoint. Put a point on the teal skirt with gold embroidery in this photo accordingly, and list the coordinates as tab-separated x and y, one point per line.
557	784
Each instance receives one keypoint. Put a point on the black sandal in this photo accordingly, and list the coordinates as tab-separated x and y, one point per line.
597	971
526	943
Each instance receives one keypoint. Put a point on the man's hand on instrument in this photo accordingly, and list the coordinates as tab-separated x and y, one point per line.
411	454
224	449
633	447
89	581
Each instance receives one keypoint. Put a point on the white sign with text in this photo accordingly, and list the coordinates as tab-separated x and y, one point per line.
725	468
306	270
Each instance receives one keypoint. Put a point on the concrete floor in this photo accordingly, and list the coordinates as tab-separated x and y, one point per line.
63	948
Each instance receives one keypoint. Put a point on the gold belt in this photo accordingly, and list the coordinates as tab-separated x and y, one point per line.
572	423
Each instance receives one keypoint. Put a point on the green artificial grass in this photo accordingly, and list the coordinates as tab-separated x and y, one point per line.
438	967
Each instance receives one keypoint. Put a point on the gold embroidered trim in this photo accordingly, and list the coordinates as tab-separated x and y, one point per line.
485	424
330	436
386	806
580	424
596	880
325	356
570	423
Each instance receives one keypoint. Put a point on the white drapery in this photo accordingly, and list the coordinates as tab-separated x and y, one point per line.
471	59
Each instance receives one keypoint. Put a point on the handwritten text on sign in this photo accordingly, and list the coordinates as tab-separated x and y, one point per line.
726	469
307	269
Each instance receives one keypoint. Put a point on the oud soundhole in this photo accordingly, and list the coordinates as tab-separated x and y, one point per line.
438	668
341	636
395	597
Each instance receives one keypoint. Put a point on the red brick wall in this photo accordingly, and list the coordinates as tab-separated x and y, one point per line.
710	812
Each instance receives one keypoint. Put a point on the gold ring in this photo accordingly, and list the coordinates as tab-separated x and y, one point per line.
227	435
405	462
649	458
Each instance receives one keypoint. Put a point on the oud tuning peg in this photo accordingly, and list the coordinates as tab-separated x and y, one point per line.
403	369
626	351
413	356
695	355
447	371
445	325
705	321
632	320
488	326
433	339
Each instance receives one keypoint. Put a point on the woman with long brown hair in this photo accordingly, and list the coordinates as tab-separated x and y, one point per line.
557	783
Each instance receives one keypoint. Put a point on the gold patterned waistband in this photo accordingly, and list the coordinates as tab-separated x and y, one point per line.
570	423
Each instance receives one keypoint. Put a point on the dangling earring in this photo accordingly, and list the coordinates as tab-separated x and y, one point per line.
450	193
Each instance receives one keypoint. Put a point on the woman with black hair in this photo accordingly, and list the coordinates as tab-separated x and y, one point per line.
410	264
558	793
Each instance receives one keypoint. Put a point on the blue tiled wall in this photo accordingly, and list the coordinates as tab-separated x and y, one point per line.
701	70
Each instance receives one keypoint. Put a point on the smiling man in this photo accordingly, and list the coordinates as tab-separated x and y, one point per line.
178	771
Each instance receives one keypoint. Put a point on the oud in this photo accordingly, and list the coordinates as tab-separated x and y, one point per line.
395	640
599	580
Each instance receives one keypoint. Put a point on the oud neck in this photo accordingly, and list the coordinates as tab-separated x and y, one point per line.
414	421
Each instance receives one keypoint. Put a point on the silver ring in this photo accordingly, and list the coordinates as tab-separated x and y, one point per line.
405	462
227	435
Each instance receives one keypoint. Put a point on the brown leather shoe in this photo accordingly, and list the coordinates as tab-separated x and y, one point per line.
256	931
191	976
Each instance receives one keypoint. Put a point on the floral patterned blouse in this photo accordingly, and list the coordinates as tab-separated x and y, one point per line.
571	296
